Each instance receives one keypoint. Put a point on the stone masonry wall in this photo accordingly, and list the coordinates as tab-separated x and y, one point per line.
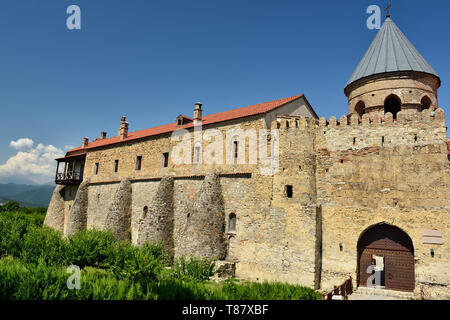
158	224
77	219
55	212
384	171
205	225
118	219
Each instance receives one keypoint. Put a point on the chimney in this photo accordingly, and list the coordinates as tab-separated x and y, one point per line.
123	131
103	135
198	112
84	142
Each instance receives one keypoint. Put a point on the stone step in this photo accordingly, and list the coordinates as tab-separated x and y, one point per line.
383	293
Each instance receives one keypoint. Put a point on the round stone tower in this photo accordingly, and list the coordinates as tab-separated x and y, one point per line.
392	77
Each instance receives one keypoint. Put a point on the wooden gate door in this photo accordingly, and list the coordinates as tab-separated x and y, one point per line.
396	248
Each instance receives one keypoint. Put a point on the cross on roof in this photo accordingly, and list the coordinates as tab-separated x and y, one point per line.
388	7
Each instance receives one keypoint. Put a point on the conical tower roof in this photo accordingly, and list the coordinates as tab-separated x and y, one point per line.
390	51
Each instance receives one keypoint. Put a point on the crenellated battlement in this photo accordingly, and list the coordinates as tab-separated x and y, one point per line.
288	122
375	119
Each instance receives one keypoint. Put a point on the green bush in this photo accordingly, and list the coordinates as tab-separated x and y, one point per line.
267	291
20	281
45	244
89	248
13	227
128	261
34	258
193	268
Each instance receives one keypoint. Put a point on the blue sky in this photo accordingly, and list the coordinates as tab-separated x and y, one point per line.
152	60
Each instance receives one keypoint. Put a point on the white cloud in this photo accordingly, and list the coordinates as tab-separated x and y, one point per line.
23	143
35	164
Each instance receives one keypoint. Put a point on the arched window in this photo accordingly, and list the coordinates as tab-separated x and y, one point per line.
393	105
232	222
360	108
425	103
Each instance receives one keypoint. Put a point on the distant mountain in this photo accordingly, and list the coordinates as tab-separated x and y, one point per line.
27	195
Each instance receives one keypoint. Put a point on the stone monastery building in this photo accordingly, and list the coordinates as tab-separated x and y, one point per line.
369	188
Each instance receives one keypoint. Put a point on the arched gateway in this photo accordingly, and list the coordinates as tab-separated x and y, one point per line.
391	253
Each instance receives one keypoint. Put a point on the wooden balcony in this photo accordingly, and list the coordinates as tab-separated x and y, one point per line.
69	177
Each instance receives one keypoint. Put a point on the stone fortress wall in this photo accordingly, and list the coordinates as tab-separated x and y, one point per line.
345	177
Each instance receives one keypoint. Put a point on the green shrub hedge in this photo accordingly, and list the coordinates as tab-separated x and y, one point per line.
34	261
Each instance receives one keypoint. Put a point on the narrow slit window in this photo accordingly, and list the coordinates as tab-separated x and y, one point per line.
232	222
116	165
236	149
138	162
96	168
289	191
165	159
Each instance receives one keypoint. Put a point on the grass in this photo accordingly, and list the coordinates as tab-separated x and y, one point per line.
34	261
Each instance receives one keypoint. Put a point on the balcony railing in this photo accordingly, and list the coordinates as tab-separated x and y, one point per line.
69	177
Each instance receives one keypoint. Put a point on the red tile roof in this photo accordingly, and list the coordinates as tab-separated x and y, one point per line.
209	119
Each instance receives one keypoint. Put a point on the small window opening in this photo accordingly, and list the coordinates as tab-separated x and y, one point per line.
289	191
382	140
180	122
96	168
296	123
354	140
138	162
232	222
144	212
415	138
287	124
236	149
165	159
116	165
341	161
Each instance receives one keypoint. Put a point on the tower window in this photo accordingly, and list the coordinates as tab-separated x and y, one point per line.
116	165
360	108
165	159
96	168
425	103
289	191
392	105
138	162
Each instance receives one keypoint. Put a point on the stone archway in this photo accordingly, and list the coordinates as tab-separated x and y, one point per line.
390	252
